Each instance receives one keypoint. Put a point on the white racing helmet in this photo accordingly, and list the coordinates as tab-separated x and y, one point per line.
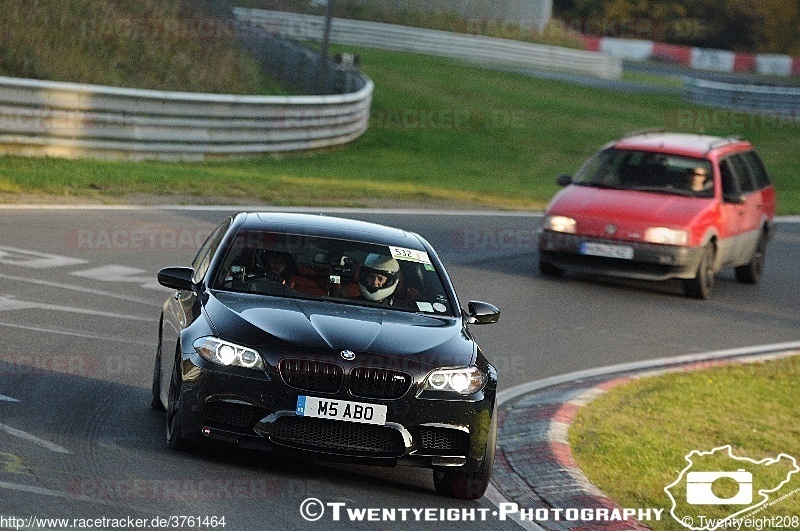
383	265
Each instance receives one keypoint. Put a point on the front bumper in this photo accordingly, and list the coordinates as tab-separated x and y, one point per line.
650	261
257	410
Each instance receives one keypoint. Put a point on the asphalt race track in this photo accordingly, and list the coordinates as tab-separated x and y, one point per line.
79	307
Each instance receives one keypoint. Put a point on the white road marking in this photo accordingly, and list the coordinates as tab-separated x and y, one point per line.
8	302
36	490
82	335
111	273
53	447
61	285
310	210
118	273
232	209
760	351
54	493
4	398
72	497
35	260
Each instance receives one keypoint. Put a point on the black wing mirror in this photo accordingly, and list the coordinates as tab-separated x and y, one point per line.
564	180
176	278
482	313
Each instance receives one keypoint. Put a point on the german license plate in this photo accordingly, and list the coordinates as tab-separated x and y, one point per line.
325	408
607	250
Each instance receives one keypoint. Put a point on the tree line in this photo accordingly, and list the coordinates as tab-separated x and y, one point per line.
750	26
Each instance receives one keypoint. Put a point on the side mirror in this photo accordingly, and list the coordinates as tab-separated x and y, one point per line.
176	278
564	180
482	313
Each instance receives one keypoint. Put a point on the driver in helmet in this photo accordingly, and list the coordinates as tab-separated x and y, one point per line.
377	278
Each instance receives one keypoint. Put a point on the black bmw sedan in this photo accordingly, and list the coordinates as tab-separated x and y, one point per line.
334	338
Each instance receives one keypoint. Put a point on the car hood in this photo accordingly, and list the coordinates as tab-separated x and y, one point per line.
631	211
257	320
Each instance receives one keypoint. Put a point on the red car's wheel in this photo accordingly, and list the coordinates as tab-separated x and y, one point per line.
701	286
751	272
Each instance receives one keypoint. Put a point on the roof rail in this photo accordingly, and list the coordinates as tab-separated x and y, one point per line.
646	131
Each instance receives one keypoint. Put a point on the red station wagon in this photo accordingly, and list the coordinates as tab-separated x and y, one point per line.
659	205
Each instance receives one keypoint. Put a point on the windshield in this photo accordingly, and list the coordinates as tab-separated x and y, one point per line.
316	268
648	171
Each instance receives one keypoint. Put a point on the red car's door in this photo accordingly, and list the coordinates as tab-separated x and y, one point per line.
745	206
732	213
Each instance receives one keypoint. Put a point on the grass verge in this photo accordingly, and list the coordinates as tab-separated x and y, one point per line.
632	441
180	45
440	131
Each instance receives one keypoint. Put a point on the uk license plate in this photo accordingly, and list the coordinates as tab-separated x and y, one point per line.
607	250
325	408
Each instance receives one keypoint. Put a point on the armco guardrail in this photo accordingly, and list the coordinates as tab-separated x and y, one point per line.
474	48
73	120
763	99
296	66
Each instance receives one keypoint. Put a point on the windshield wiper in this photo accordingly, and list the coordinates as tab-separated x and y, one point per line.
662	190
599	185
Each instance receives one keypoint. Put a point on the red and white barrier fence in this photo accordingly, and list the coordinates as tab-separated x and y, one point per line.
700	58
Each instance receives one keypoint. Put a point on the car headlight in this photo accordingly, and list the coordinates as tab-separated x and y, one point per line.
464	381
666	236
228	354
560	224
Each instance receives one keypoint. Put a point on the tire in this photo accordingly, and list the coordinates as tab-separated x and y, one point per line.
751	272
701	286
174	416
155	400
454	482
547	269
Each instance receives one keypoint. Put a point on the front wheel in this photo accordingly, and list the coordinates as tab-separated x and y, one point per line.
155	401
454	482
701	286
175	439
751	272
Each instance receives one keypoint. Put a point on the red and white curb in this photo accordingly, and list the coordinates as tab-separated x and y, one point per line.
534	465
693	57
